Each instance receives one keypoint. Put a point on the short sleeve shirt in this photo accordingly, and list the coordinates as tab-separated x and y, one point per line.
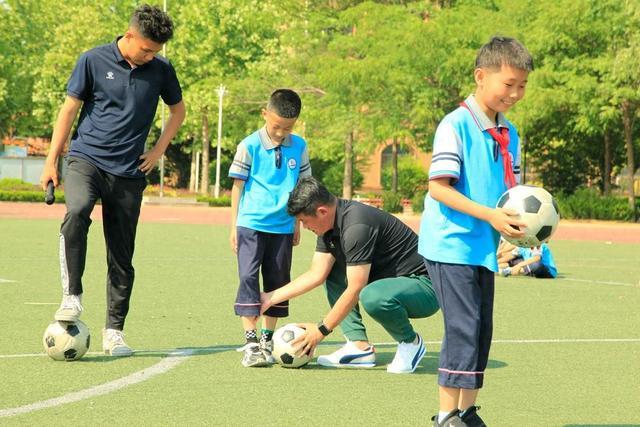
466	153
363	234
119	106
270	173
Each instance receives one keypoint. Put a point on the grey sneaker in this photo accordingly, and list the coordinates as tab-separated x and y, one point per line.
451	420
70	308
253	356
113	343
267	349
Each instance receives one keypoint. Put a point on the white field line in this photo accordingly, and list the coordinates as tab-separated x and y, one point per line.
176	357
41	303
173	360
6	280
601	282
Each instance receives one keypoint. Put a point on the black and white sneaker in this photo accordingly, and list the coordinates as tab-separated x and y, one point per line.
471	418
267	349
252	356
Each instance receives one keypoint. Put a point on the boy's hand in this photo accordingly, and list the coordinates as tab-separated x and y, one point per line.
265	301
503	220
233	240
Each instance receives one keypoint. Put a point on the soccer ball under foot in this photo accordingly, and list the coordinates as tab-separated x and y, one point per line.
66	340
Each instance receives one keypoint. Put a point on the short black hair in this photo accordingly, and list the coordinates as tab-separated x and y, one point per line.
152	23
504	50
307	195
285	103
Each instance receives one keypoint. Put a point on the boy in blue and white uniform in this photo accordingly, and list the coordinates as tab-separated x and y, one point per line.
476	158
265	169
535	262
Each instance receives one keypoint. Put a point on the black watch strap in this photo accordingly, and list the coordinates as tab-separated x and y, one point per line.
323	329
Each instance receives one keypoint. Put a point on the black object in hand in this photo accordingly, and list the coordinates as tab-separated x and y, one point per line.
49	195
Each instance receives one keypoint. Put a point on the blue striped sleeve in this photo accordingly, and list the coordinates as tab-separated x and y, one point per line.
241	164
447	153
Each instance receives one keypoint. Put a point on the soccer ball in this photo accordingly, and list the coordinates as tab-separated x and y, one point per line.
537	208
282	349
66	340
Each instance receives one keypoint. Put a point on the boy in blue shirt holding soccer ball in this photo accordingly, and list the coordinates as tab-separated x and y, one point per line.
476	158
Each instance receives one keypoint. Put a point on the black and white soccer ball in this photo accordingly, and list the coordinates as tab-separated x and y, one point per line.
537	208
66	340
282	349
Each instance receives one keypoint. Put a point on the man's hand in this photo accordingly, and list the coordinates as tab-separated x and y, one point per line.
307	342
49	173
149	160
265	301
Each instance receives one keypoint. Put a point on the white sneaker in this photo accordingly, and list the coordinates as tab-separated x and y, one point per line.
113	343
407	357
350	356
70	308
505	272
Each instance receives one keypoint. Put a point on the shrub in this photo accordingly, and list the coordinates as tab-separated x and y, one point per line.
417	202
333	176
212	201
412	176
28	196
391	202
586	203
15	184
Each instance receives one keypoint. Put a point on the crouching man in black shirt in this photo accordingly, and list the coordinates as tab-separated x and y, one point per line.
365	256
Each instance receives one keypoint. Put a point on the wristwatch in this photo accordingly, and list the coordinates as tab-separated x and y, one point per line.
323	329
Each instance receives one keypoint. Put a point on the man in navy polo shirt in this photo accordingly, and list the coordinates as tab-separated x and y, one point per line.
116	89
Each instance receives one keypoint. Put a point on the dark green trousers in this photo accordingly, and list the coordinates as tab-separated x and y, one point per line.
391	302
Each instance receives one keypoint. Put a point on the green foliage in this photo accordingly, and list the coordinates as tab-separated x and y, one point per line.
221	201
391	202
417	202
586	203
27	196
14	184
333	176
412	176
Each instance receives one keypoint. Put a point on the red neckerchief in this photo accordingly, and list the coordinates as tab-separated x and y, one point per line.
502	139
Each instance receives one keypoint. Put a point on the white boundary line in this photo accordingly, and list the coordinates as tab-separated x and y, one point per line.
161	367
177	357
6	280
600	282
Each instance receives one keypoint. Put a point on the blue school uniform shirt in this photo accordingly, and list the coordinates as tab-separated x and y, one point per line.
465	152
263	204
546	258
119	105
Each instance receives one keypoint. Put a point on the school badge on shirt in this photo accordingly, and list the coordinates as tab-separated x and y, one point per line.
292	163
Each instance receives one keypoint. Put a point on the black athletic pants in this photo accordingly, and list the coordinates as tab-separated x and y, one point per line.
121	197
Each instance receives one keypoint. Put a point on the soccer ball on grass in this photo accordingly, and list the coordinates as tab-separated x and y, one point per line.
283	350
537	208
66	340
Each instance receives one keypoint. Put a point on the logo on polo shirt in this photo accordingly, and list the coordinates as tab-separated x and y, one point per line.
110	75
292	163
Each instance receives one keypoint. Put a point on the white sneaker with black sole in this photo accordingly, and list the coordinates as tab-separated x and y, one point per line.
407	357
350	356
